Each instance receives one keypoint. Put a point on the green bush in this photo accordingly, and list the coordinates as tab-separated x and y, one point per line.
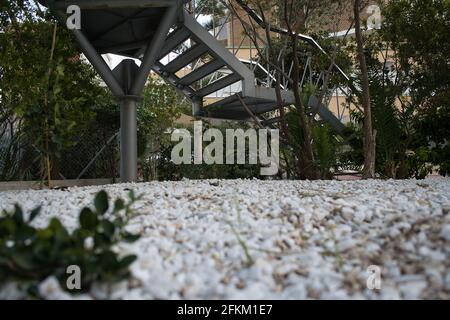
418	163
29	255
168	171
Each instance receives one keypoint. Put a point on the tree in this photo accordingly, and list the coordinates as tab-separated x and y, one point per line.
418	32
47	90
369	135
407	73
298	17
212	8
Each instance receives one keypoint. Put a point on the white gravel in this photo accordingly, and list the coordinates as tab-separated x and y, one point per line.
305	239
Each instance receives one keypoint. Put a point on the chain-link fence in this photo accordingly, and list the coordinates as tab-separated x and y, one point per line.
94	155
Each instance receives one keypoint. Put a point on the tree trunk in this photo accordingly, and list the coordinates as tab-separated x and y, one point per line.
368	132
307	168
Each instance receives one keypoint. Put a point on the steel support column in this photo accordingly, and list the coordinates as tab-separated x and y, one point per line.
128	139
197	106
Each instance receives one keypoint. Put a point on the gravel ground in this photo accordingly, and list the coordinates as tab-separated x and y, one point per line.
250	239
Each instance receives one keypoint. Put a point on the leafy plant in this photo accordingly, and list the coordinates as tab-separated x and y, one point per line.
160	107
167	170
47	93
325	150
30	255
419	165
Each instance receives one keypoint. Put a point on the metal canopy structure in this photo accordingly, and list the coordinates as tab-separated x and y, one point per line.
152	30
129	28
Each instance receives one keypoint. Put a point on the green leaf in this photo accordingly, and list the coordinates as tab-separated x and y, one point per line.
23	260
18	214
129	237
60	69
40	252
101	202
108	259
55	225
119	205
88	220
34	214
44	234
7	226
126	261
25	232
108	228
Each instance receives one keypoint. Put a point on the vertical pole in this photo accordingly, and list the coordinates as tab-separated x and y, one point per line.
197	106
128	140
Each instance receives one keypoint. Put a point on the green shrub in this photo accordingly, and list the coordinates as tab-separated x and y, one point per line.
419	163
29	255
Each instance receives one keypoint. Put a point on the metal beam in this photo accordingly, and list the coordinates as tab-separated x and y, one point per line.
269	94
173	80
219	84
185	58
255	108
249	101
326	115
263	108
219	51
154	47
99	64
227	114
227	100
176	38
271	121
91	54
123	47
201	72
110	4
